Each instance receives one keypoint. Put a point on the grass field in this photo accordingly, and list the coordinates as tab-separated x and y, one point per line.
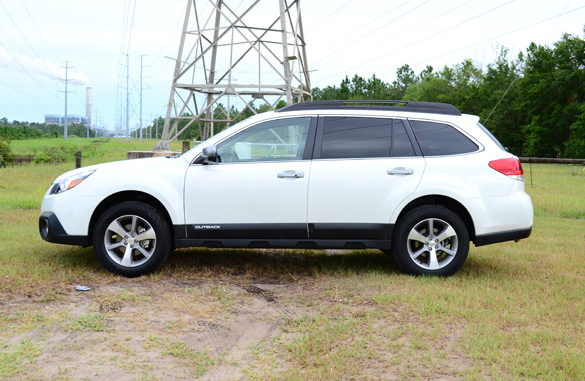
514	311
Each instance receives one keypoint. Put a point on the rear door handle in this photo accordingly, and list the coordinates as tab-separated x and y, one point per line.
400	171
290	174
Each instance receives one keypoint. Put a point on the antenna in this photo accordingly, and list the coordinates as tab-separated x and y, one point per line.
221	46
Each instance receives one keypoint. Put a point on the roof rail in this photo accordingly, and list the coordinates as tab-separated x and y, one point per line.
410	106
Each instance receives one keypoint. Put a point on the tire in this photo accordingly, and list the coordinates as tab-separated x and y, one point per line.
131	239
431	240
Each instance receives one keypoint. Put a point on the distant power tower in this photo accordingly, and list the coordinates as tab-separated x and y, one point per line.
230	56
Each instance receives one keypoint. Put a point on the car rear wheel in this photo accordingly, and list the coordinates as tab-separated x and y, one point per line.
431	240
131	239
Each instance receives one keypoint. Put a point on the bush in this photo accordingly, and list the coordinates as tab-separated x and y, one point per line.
6	156
54	155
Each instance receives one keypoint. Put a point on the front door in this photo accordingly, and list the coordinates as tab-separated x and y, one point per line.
257	189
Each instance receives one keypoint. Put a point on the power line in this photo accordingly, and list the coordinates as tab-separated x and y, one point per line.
19	31
127	26
124	27
517	77
24	70
18	91
39	31
131	27
368	34
498	36
331	14
421	40
405	30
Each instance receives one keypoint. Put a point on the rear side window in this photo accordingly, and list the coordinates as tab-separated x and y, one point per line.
351	137
438	139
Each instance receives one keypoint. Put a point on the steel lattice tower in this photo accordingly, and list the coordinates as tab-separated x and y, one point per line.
243	54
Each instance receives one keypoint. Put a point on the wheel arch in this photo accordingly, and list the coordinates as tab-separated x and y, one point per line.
125	196
447	202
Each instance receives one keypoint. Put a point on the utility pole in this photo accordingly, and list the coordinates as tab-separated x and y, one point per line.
141	96
65	118
127	97
88	108
120	124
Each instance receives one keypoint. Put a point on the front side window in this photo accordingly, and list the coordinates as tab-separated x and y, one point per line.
269	141
438	139
355	137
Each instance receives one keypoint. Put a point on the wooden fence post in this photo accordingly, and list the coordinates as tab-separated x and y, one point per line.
78	159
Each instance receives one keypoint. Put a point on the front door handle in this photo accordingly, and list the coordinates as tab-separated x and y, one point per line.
290	174
400	171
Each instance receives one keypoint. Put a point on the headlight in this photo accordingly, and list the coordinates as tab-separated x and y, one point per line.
70	182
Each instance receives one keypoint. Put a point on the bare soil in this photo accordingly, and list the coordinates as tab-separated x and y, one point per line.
139	321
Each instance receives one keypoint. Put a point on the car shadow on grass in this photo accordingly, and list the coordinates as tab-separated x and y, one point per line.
279	263
275	263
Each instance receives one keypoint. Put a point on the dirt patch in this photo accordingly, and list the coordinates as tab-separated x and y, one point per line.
139	328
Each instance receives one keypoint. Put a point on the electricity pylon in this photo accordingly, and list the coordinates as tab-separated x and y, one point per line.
232	57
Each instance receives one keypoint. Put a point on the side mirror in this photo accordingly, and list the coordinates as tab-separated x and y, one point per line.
208	155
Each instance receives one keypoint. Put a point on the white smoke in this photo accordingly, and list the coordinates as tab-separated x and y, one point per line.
34	66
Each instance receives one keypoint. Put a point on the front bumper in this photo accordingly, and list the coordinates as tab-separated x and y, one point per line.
51	230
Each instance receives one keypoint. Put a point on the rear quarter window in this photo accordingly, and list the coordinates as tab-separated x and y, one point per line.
491	136
439	139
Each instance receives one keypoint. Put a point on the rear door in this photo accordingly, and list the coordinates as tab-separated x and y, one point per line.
362	169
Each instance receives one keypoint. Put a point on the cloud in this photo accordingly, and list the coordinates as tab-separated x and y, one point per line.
34	66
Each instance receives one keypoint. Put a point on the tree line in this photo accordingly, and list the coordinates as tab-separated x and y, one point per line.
533	103
540	95
17	130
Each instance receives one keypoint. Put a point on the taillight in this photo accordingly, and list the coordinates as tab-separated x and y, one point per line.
509	167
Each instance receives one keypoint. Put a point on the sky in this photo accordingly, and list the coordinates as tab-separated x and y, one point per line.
39	38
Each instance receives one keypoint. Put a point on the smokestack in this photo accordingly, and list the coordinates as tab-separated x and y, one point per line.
88	105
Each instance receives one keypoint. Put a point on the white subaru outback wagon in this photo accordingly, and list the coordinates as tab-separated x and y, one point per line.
417	179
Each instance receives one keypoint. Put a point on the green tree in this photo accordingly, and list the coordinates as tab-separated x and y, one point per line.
458	85
553	89
405	77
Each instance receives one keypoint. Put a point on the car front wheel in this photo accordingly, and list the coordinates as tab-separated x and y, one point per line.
431	240
131	239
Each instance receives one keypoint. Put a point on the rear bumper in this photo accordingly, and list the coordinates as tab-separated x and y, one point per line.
512	235
51	230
